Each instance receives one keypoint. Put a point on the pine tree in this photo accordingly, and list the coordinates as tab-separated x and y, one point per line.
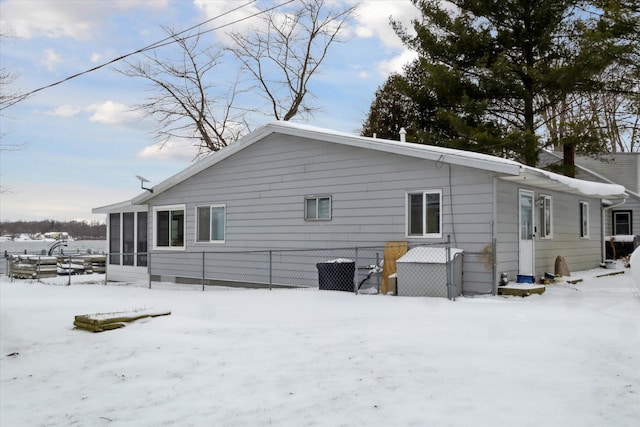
488	70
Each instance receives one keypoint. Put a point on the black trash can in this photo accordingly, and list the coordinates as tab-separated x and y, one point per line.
336	276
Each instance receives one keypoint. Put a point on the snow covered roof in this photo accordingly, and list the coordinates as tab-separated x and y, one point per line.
504	167
553	181
593	173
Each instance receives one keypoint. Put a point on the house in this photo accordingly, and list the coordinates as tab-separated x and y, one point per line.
294	186
612	168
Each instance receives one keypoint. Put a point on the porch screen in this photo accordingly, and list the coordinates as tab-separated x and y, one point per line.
114	238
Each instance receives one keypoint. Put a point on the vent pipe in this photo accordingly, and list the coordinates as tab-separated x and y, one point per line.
403	135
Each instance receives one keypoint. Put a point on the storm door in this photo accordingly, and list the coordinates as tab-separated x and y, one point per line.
526	252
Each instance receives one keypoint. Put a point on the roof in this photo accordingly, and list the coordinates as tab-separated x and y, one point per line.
552	158
127	205
506	169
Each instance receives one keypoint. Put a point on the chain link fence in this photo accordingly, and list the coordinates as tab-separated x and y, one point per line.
396	268
403	269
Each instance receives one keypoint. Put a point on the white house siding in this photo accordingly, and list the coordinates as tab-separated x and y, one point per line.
263	187
579	253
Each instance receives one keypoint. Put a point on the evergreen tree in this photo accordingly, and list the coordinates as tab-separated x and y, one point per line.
489	69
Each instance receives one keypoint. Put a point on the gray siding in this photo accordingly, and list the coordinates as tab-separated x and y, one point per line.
579	253
631	204
621	168
264	185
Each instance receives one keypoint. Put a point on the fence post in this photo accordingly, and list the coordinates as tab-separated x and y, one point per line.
449	266
270	268
203	271
494	266
355	274
149	267
378	273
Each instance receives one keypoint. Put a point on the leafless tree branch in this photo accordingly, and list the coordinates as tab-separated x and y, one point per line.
284	54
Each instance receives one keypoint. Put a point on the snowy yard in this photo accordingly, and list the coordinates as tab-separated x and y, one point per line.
235	357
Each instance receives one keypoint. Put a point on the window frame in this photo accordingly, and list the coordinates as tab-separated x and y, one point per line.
197	224
317	210
115	238
142	241
629	215
128	227
584	219
546	230
170	209
408	218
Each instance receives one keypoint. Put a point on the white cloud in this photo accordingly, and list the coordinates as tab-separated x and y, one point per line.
113	113
131	4
372	20
95	57
173	149
395	64
64	18
64	111
50	59
214	9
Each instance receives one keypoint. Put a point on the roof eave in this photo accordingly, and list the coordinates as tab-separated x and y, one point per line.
555	182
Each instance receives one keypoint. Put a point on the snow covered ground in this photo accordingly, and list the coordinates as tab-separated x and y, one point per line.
236	357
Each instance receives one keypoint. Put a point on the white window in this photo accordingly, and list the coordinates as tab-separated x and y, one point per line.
621	221
210	224
546	216
168	230
424	214
584	220
317	208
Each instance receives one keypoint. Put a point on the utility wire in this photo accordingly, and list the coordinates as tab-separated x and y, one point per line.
164	42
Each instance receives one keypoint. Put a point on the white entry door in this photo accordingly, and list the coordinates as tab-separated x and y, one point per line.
527	233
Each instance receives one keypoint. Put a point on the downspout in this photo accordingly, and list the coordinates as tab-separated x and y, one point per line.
494	238
605	209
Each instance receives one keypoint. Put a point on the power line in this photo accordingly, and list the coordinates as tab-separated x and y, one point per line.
164	42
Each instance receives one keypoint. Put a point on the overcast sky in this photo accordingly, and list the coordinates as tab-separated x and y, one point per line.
80	144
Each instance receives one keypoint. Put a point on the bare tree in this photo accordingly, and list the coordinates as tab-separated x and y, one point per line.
607	121
286	51
280	58
183	101
8	96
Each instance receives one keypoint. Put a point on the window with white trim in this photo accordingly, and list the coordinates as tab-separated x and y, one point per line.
546	216
584	220
424	214
621	222
210	224
169	226
317	208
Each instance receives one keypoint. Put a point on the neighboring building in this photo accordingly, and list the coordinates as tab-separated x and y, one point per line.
621	218
294	186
